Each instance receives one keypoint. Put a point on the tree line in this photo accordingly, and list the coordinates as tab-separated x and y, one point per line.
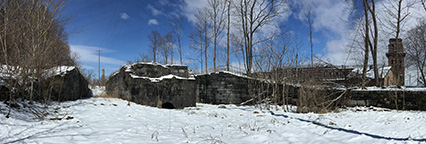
215	22
33	40
235	28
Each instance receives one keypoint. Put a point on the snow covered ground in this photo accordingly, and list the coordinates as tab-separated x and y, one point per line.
109	120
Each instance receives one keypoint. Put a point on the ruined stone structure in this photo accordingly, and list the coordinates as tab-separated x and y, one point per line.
153	84
70	85
396	57
222	88
402	99
62	83
229	88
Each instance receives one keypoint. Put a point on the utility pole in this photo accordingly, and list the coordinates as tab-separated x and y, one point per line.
99	67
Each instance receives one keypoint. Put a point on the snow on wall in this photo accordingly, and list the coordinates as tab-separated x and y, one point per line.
374	88
2	83
170	76
128	69
383	71
62	70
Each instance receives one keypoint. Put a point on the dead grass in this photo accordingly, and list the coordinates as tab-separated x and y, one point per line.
109	95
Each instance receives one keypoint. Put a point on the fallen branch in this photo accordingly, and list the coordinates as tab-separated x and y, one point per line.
250	100
341	95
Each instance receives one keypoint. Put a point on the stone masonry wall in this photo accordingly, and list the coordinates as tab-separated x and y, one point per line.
222	88
154	85
66	85
393	99
227	88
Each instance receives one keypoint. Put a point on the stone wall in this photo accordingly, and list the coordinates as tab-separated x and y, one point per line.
391	98
70	85
62	83
228	88
222	88
153	84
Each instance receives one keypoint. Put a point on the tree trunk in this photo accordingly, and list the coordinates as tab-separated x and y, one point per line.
227	38
205	45
366	41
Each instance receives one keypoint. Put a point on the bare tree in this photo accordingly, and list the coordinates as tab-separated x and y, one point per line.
216	13
167	47
202	27
177	27
416	50
197	38
32	39
228	33
308	15
366	41
253	15
372	10
155	39
397	15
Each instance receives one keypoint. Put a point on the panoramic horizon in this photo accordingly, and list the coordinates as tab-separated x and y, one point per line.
120	30
213	71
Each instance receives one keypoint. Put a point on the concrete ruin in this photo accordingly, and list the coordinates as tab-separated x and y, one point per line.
153	84
222	88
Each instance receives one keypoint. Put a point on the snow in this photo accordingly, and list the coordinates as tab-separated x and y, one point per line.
109	120
2	83
128	69
147	63
97	91
227	72
6	71
374	88
175	65
383	71
62	70
170	76
236	74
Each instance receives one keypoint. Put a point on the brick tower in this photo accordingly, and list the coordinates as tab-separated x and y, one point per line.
396	57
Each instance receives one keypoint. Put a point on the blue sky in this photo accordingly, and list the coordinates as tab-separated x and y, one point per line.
120	28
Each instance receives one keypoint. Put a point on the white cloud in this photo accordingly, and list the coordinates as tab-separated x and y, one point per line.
329	18
152	22
89	54
154	11
190	7
163	2
327	15
124	16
